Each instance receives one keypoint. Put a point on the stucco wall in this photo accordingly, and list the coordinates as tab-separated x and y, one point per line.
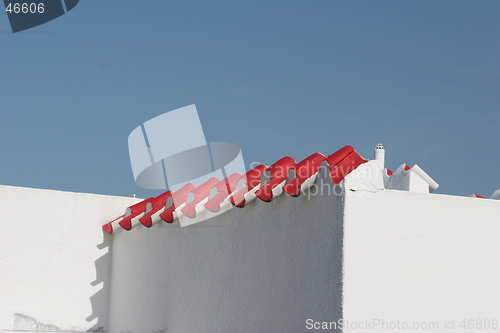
369	256
421	258
53	259
264	268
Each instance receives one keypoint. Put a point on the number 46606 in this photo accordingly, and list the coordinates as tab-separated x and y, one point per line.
25	8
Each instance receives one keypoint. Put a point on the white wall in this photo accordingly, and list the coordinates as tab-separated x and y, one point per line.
267	267
52	271
373	255
421	258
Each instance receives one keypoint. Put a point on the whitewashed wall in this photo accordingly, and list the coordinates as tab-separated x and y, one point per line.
53	259
267	267
370	256
421	258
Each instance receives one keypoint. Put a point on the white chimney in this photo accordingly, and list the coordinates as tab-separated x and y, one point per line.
380	154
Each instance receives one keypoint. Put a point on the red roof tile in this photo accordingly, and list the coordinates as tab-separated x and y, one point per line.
200	193
134	211
342	162
251	180
304	170
154	206
278	174
224	188
178	196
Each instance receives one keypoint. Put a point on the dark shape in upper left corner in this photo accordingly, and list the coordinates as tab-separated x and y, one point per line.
70	4
39	12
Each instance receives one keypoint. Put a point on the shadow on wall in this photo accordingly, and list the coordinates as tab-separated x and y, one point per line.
100	300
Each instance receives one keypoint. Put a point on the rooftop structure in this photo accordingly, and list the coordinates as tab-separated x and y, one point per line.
330	238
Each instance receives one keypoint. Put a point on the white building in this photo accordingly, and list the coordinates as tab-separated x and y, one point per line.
314	244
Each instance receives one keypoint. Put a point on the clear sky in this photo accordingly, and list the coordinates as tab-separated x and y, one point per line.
276	77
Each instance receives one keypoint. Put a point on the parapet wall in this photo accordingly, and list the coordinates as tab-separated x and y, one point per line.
421	259
266	267
53	259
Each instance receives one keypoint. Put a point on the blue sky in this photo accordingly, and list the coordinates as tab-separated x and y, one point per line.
276	77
